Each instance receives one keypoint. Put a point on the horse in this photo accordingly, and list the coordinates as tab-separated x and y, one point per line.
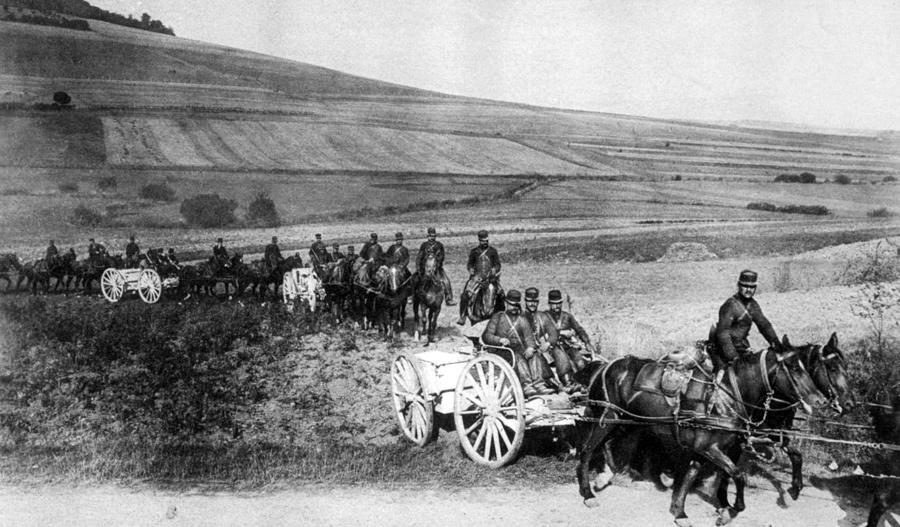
703	425
337	287
488	299
886	422
9	263
428	293
41	272
90	270
364	292
828	370
259	274
393	288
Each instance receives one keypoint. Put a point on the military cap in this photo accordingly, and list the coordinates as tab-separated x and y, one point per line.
532	293
318	236
219	240
274	239
431	230
513	296
747	278
554	296
131	237
398	236
52	242
374	236
482	235
90	239
350	248
335	245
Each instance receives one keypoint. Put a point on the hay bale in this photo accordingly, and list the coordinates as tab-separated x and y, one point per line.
687	252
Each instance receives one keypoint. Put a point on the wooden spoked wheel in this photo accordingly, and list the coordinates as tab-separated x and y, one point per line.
149	286
288	288
112	284
414	411
489	411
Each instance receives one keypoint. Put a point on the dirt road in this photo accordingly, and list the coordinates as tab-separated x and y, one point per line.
633	504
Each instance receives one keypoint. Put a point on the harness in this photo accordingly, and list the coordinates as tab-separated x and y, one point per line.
512	329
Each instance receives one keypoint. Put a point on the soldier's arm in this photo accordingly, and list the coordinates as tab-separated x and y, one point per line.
471	263
495	260
439	255
723	331
528	342
552	333
763	324
489	336
582	334
420	257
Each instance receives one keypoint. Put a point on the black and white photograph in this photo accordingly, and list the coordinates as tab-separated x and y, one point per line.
402	263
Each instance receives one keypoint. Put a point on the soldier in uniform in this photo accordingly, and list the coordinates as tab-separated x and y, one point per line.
220	253
568	357
52	254
272	255
336	255
93	250
371	251
132	253
435	249
546	337
736	316
510	329
171	257
318	253
398	254
483	262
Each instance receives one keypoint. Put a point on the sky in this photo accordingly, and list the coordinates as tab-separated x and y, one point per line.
832	64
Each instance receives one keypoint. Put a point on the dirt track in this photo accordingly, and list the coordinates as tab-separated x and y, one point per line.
631	504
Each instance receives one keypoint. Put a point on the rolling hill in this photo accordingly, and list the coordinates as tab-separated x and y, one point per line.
155	101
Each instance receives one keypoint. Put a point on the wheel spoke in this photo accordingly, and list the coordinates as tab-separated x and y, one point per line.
474	400
502	433
477	388
479	438
507	422
400	382
506	392
475	425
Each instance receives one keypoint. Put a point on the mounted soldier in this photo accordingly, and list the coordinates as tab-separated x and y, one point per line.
431	249
545	335
511	330
318	254
484	262
220	255
132	253
728	340
95	251
172	258
335	255
567	353
398	254
272	256
52	254
351	256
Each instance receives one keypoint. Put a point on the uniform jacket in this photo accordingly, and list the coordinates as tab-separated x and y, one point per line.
489	260
372	251
513	327
220	252
52	252
334	256
318	253
735	319
428	248
543	327
567	321
273	253
132	250
398	254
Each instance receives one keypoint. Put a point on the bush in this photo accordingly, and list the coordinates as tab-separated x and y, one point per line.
883	212
107	183
841	179
262	211
762	206
84	216
807	177
208	210
889	179
157	192
68	187
815	210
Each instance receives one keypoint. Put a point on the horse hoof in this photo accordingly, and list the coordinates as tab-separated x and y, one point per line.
591	503
794	492
683	522
666	480
725	516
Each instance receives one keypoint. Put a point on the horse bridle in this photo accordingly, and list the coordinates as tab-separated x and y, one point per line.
792	382
831	394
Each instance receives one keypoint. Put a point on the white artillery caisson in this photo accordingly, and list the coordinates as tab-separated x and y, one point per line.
302	284
481	390
114	283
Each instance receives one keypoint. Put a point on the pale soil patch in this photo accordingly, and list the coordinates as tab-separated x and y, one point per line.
687	252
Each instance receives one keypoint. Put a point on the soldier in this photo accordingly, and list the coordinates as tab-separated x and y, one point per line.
351	256
220	253
435	249
171	257
318	253
336	254
52	254
398	254
736	316
567	354
132	253
272	255
546	337
371	251
509	329
93	250
483	262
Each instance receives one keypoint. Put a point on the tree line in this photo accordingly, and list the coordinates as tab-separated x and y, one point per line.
82	9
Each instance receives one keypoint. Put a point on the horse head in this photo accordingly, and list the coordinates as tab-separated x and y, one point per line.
828	369
786	377
430	265
361	275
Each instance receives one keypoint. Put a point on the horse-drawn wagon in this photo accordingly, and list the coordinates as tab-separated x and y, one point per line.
114	283
479	387
302	284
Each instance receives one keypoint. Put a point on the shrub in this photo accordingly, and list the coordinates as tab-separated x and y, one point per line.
157	192
807	177
815	210
261	211
208	210
87	217
107	183
841	179
68	187
762	206
883	212
787	178
889	179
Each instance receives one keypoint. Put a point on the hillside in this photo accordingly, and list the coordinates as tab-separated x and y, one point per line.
149	100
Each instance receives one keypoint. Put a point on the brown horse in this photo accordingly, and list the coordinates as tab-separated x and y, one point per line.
393	291
488	299
887	430
9	264
428	295
41	272
705	426
338	287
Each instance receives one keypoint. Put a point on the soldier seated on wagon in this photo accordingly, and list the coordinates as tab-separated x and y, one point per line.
132	253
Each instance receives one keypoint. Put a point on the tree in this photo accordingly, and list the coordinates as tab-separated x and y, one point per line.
262	211
208	210
61	98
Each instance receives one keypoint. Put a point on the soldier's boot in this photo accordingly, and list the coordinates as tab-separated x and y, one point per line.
448	291
528	390
541	388
463	308
569	384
